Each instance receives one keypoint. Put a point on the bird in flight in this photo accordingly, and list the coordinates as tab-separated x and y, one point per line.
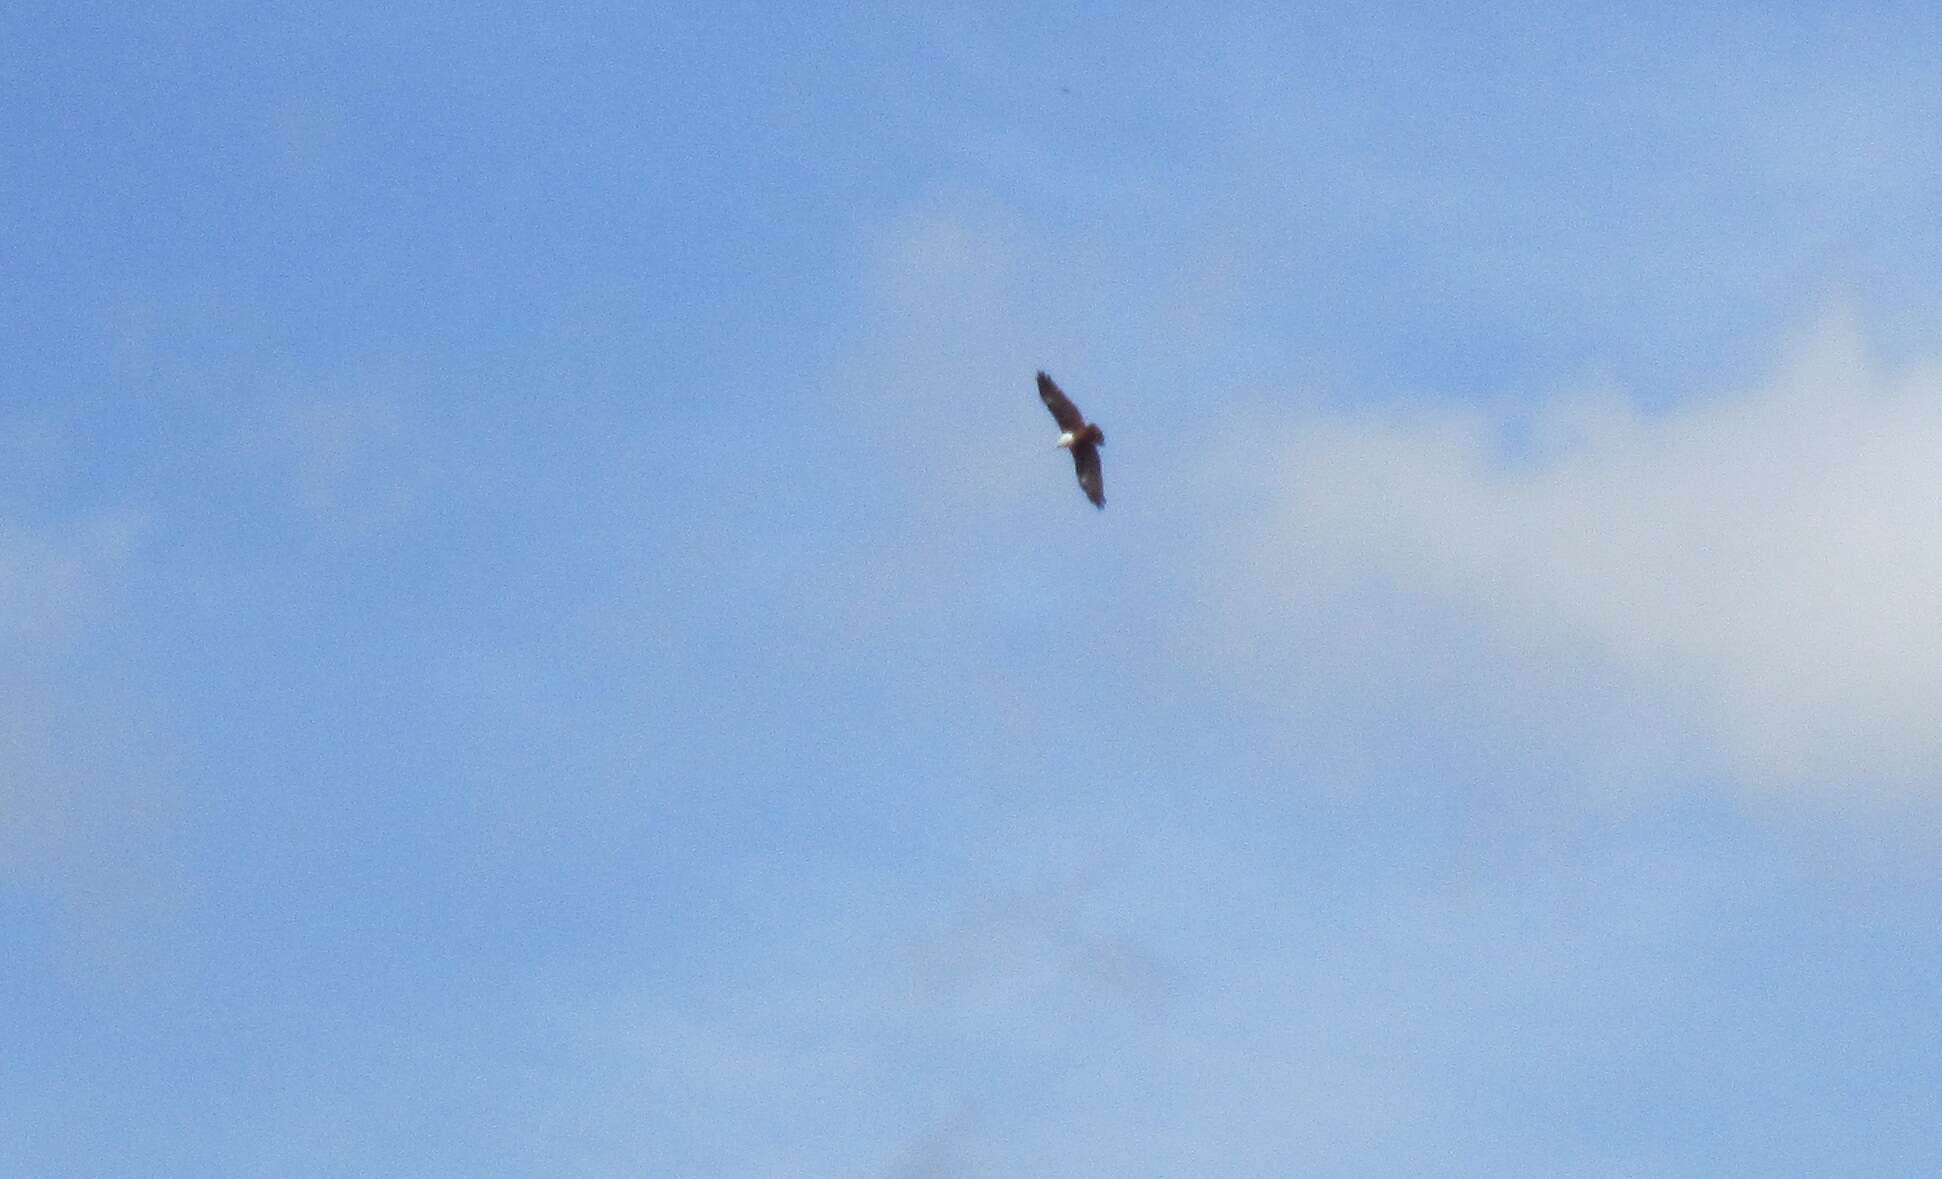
1081	437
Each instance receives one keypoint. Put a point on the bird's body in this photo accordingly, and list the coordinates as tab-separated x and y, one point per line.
1081	437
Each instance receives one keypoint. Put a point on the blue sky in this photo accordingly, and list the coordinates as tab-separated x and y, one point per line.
542	630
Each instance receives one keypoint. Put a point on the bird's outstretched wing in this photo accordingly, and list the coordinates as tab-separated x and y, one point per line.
1066	413
1085	459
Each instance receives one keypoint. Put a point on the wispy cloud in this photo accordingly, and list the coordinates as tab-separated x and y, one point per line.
86	799
52	579
1758	571
345	451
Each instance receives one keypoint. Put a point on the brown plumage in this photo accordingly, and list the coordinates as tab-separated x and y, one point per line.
1081	437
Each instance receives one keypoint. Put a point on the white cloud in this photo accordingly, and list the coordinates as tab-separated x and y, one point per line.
86	798
1379	1018
957	320
1761	570
345	454
347	449
50	580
